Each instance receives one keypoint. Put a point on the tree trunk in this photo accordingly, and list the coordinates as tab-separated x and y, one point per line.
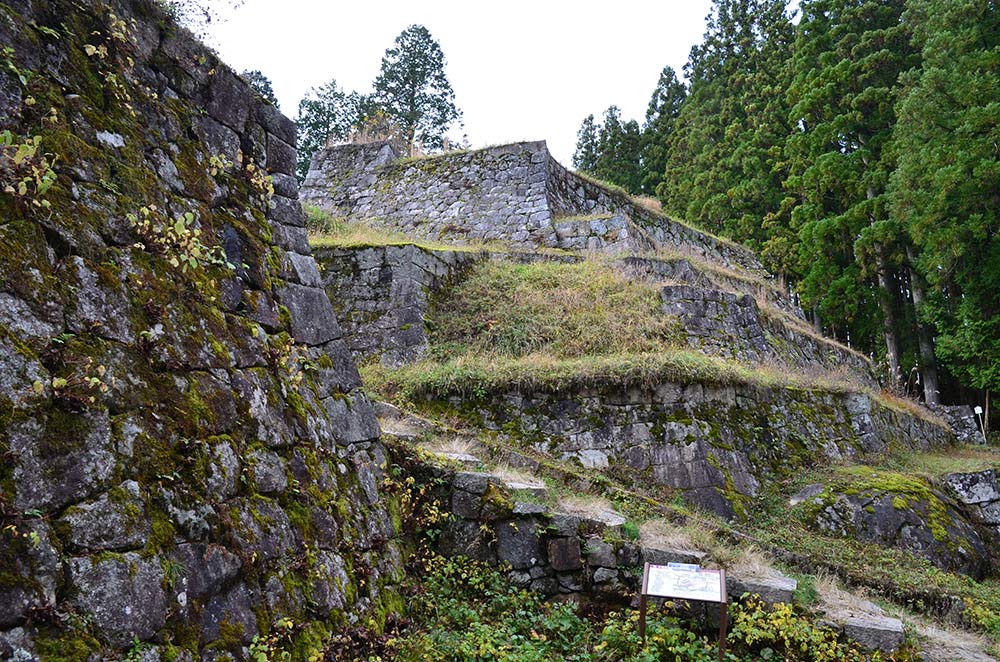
888	321
925	341
817	323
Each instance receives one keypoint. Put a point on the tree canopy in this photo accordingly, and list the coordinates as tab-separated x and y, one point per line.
413	90
412	101
856	150
326	113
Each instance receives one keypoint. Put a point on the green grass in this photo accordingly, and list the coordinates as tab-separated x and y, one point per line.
480	376
509	310
963	459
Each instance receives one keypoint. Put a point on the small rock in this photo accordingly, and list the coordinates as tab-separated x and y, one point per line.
875	632
772	590
564	554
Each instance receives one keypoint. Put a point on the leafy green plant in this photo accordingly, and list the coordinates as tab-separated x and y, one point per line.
178	240
25	169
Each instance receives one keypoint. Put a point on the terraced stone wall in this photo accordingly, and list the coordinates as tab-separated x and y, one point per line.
715	442
187	455
515	193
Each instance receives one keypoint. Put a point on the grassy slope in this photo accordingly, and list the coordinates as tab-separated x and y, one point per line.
551	326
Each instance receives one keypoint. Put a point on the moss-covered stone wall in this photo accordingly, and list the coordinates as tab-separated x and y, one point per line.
717	443
187	456
515	193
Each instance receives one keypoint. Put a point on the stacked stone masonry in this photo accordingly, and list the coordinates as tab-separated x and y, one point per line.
714	442
175	440
381	295
514	193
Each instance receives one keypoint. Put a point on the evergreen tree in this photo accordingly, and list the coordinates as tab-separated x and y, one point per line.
585	156
946	189
724	148
326	113
413	90
664	106
611	151
848	59
618	151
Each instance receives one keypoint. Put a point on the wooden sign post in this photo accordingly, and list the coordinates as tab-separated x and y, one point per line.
685	581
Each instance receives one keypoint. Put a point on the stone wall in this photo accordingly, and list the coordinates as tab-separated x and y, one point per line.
980	492
569	194
495	193
381	295
562	553
516	193
733	326
714	442
187	453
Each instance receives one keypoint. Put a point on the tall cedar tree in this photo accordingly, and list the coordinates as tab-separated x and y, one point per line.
661	115
848	58
722	157
413	90
585	156
611	151
946	189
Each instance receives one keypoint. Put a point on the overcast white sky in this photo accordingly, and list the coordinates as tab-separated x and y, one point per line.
521	69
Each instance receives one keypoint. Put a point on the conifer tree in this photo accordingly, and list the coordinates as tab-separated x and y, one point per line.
585	156
946	188
848	59
413	90
661	115
725	143
326	113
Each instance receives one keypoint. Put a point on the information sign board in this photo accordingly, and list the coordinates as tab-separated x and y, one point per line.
685	581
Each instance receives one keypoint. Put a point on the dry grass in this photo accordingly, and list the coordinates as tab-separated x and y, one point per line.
835	600
941	642
650	203
907	406
454	444
664	534
751	561
960	459
590	507
509	474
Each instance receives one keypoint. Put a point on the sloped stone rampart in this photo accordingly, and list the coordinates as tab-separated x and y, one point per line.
733	326
381	295
715	443
187	455
516	193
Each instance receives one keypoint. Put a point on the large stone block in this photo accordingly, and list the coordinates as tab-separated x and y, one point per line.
564	554
32	571
518	543
115	521
875	632
313	321
61	458
122	595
